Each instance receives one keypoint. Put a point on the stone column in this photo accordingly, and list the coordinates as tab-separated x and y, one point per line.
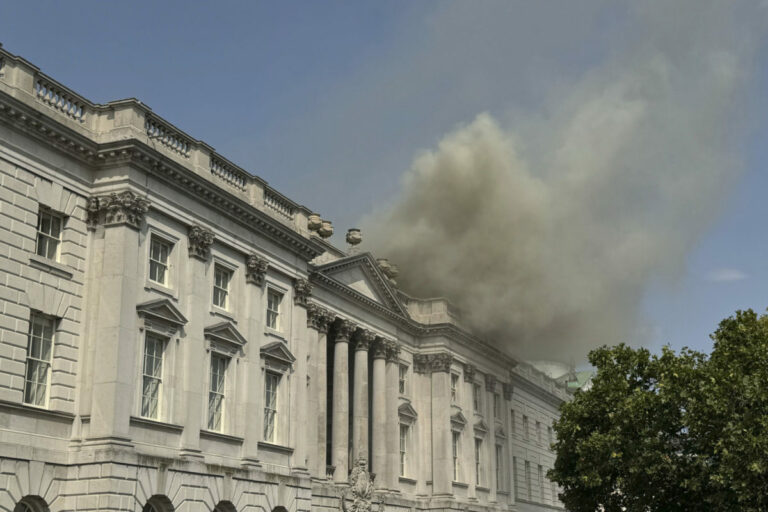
379	462
317	321
392	418
340	425
363	339
115	333
199	242
439	365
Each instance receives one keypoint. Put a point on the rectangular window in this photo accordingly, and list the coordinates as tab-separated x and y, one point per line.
549	436
455	439
39	353
514	477
216	391
454	388
159	251
514	421
221	278
553	490
403	447
273	309
541	483
496	406
152	376
402	383
48	234
525	428
499	468
270	406
528	480
538	432
477	400
478	460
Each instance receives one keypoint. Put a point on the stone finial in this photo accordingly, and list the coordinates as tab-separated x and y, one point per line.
380	348
429	363
118	208
200	241
393	351
344	330
302	290
314	222
490	383
363	339
326	229
384	265
469	373
354	236
507	389
255	269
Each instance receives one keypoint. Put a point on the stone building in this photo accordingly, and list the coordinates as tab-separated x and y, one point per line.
177	335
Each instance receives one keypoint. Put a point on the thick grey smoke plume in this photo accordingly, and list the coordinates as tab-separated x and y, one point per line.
546	232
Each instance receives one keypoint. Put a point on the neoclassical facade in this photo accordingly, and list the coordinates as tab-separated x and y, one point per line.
176	335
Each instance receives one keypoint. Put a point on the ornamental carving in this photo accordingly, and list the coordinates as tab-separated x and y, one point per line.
302	290
469	373
118	208
363	339
318	318
344	330
200	241
507	389
380	348
393	351
490	383
361	488
255	269
429	363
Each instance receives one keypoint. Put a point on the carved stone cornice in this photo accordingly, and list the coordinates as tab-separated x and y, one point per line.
344	330
380	348
116	209
490	383
255	269
393	351
200	241
363	339
507	389
469	373
302	290
429	363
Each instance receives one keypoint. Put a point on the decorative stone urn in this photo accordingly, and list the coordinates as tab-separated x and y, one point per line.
314	222
326	229
354	236
384	265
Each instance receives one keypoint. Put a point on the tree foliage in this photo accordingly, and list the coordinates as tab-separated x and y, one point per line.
671	432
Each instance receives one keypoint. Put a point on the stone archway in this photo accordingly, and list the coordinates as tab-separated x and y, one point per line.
224	506
158	503
31	504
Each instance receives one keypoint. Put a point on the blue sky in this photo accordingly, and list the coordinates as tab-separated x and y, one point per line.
331	101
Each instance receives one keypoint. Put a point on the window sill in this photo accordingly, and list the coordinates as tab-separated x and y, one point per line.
161	289
221	436
223	313
54	267
275	448
406	480
161	425
503	493
275	334
462	485
34	410
481	488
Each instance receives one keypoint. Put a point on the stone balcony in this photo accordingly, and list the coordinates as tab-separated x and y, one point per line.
130	119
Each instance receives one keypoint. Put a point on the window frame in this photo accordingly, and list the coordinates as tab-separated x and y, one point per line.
479	480
35	317
275	314
497	406
456	454
275	409
402	379
218	268
528	485
477	398
526	434
499	455
48	237
169	245
163	343
454	383
403	445
221	393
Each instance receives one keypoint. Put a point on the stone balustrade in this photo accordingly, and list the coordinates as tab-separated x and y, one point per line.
132	120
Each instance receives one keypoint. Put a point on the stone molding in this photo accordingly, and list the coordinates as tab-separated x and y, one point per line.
363	339
302	291
318	318
507	389
469	373
380	348
200	241
116	209
393	351
255	269
432	363
490	383
344	330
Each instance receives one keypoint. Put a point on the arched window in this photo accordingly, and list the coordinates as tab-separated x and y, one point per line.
158	503
31	504
279	508
225	506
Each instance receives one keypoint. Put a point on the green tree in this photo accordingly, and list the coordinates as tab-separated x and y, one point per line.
671	432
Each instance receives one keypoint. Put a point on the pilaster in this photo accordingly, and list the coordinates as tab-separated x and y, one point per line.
392	419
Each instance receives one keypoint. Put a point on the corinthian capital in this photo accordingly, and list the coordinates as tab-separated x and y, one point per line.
344	330
490	383
200	241
318	318
393	351
255	269
429	363
117	208
469	373
380	348
302	289
363	339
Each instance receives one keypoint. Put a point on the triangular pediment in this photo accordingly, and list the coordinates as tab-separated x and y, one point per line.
278	351
362	274
407	411
481	426
226	332
162	309
458	420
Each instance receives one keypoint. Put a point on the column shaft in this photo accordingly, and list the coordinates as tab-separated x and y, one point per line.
379	462
392	420
340	425
360	396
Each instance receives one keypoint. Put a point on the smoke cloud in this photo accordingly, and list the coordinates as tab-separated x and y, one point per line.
546	231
